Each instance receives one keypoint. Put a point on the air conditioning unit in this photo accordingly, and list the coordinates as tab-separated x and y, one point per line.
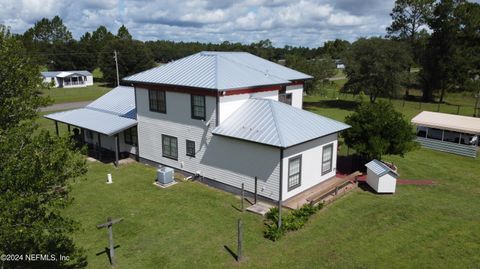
165	175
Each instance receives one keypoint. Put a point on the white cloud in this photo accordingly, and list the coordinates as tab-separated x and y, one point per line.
292	22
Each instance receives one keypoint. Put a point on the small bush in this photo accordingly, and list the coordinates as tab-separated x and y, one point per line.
293	221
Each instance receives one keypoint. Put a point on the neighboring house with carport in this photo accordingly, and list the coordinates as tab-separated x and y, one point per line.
68	79
447	132
107	125
229	117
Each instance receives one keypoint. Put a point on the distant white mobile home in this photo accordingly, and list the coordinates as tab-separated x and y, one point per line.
68	79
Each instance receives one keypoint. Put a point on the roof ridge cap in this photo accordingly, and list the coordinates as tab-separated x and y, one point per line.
251	67
274	116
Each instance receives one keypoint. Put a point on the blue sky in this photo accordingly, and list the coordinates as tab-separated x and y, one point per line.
285	22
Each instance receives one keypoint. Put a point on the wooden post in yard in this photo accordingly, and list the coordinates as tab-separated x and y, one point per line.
239	240
243	195
109	225
255	198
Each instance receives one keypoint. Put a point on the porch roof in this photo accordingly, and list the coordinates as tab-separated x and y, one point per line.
109	114
456	123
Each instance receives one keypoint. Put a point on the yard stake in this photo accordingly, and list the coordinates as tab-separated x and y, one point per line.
239	240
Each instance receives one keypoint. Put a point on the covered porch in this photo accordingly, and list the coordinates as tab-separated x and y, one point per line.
448	133
100	131
67	79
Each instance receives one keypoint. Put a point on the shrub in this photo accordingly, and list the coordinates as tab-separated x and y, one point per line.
293	221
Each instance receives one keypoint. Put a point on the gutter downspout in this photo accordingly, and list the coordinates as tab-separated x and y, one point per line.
217	110
279	225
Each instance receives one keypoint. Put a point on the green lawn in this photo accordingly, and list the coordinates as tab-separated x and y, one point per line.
63	95
189	224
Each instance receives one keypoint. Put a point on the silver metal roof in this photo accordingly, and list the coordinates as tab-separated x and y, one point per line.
380	168
50	74
119	101
109	114
219	71
277	124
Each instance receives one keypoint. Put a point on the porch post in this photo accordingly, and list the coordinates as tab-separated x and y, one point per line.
82	131
443	134
460	139
117	146
99	146
68	126
56	127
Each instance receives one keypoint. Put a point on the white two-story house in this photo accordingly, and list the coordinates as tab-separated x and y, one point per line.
230	117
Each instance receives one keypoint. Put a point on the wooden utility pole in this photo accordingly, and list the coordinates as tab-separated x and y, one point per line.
116	65
109	225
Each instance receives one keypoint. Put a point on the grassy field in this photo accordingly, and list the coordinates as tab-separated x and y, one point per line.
189	225
63	95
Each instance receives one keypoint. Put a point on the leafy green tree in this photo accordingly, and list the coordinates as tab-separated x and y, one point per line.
336	48
408	18
376	66
123	33
19	80
49	31
320	69
378	129
133	57
35	170
451	56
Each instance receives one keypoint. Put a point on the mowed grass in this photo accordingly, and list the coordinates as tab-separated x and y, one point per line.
189	224
66	95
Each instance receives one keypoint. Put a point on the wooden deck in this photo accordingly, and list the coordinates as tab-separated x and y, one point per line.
319	191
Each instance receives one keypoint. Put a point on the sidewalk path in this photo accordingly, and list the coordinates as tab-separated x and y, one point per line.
64	106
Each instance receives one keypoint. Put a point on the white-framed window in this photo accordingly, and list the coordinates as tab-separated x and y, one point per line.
327	156
294	172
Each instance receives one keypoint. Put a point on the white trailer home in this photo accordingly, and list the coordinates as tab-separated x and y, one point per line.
229	117
68	79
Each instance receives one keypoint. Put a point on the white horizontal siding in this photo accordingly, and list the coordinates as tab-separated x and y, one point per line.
297	95
226	160
311	173
230	103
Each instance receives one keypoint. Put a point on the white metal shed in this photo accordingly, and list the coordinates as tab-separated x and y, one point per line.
381	177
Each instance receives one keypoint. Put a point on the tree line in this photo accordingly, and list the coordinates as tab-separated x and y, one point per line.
440	38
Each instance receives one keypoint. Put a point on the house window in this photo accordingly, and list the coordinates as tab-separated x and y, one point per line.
294	172
198	107
327	155
89	134
190	148
157	101
169	147
285	97
130	136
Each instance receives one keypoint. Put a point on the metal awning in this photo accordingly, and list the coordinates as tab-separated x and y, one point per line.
456	123
98	121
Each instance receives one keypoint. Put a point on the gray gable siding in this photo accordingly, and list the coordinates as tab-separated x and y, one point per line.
226	160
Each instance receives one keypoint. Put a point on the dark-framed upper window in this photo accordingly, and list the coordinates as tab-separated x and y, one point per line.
198	107
130	136
190	148
157	101
327	157
170	147
294	172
